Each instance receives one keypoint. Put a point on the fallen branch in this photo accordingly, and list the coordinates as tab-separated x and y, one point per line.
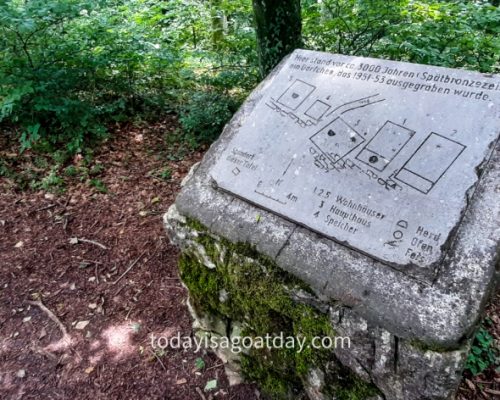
158	358
52	316
44	352
215	366
129	268
198	390
76	240
43	208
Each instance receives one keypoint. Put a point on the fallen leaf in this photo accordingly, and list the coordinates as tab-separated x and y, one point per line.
470	384
42	334
211	385
181	381
80	325
199	363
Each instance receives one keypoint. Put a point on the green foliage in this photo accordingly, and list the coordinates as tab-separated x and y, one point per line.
483	353
52	182
166	174
98	185
459	34
5	170
453	34
204	117
199	363
71	170
69	68
259	292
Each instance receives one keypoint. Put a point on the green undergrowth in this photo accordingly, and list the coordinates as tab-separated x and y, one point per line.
52	172
259	296
484	353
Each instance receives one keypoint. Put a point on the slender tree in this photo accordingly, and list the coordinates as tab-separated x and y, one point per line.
217	16
279	30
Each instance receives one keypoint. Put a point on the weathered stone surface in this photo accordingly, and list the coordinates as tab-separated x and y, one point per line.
396	310
440	312
399	368
378	155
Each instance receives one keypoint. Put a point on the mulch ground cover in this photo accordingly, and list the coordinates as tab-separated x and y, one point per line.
87	276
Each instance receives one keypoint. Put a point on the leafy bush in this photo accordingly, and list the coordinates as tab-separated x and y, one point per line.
204	117
459	34
69	66
483	353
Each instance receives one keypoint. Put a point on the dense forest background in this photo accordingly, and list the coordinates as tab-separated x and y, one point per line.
70	68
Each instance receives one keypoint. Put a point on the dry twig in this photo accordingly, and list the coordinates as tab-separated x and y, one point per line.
130	267
198	390
43	208
92	242
52	316
158	358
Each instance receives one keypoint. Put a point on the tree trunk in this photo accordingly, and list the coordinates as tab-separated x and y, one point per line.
217	17
279	28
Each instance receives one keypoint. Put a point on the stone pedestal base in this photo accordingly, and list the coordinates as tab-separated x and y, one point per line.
238	292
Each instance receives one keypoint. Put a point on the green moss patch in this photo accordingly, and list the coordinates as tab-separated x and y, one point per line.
258	295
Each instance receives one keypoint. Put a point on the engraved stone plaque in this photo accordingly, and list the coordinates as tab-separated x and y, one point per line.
377	155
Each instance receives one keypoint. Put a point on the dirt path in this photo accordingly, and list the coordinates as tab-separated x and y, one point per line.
101	262
46	256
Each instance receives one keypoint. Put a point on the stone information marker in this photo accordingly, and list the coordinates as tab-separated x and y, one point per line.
348	197
377	155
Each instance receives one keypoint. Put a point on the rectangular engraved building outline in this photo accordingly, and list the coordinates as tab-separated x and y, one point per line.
418	171
385	145
337	139
296	94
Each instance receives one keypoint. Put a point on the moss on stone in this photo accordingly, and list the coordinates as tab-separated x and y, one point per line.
343	384
435	348
258	294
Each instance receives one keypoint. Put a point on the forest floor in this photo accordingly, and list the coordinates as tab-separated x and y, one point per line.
88	276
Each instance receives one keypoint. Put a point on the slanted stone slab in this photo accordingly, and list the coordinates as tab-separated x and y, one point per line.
377	155
375	184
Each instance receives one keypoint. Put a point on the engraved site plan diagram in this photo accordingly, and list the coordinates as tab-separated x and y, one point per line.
376	155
